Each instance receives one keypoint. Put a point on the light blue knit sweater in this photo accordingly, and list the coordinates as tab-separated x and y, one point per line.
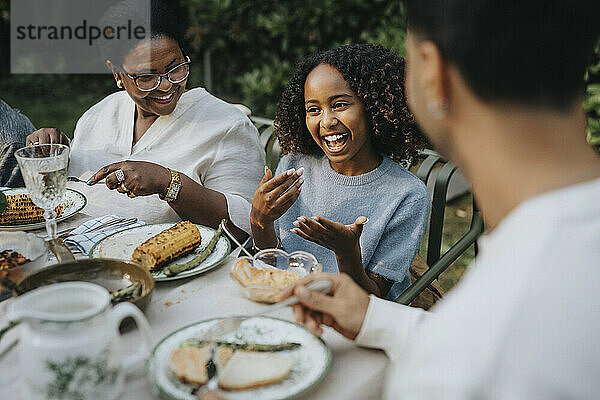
395	201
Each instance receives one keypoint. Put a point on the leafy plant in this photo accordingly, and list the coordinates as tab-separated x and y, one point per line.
255	45
592	101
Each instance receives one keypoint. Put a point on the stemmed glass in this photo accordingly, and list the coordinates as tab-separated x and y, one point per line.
44	170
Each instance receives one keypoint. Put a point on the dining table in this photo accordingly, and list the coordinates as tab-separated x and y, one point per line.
355	373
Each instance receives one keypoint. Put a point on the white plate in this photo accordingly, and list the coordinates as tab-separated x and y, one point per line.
310	362
73	202
120	245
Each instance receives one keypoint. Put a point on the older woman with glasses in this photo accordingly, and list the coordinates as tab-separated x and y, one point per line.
165	153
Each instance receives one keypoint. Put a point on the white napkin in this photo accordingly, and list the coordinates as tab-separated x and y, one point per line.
85	241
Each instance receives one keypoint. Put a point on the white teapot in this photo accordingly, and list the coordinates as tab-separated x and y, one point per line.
70	344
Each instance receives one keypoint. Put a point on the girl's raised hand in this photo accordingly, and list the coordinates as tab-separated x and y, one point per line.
274	196
342	239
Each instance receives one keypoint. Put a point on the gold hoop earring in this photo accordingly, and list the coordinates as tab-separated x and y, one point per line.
437	108
120	84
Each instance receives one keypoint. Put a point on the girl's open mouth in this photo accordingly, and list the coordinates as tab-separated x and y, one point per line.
335	143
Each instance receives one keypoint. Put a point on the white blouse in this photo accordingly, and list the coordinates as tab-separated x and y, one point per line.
205	138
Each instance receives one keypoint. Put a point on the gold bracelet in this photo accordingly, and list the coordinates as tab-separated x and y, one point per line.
173	188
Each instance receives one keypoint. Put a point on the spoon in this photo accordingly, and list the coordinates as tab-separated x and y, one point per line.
231	324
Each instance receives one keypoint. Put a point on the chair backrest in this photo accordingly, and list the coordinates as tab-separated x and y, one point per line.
438	262
268	140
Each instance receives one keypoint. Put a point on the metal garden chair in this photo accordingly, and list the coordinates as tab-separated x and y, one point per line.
437	262
268	141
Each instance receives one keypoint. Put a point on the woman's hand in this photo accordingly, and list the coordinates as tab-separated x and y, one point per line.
272	197
47	136
342	239
343	309
141	178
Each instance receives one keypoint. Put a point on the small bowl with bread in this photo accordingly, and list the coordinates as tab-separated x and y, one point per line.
263	277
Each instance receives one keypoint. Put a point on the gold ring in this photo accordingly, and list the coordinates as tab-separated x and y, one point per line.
124	187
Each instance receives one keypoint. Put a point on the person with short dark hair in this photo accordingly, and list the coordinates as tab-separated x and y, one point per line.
343	120
14	128
166	153
498	87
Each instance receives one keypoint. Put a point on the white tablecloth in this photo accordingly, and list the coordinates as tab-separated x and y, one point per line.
356	373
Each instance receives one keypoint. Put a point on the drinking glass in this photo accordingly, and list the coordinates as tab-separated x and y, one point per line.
44	170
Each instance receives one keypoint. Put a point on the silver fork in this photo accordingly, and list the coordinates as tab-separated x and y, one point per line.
74	249
211	369
212	335
113	223
68	231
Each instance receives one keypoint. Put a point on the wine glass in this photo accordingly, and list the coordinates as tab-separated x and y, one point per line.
44	170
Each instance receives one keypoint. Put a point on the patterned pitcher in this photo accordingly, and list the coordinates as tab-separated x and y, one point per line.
70	347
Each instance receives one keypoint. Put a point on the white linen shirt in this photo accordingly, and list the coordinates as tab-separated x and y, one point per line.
524	323
205	138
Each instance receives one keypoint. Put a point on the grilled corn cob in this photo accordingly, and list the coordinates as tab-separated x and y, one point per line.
167	245
21	210
173	270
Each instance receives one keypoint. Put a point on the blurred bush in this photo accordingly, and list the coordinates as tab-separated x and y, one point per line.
592	100
254	46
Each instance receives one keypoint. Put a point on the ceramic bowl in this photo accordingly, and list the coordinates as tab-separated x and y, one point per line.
111	274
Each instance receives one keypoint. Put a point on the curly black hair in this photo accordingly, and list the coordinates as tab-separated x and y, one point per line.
376	75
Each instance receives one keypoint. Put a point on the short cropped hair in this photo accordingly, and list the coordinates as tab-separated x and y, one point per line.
163	23
531	52
376	76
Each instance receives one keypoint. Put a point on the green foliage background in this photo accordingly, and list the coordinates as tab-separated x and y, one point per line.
592	101
255	44
253	47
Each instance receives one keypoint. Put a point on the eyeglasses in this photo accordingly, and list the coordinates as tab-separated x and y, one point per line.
149	82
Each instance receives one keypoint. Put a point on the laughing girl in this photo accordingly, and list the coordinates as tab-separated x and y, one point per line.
344	127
